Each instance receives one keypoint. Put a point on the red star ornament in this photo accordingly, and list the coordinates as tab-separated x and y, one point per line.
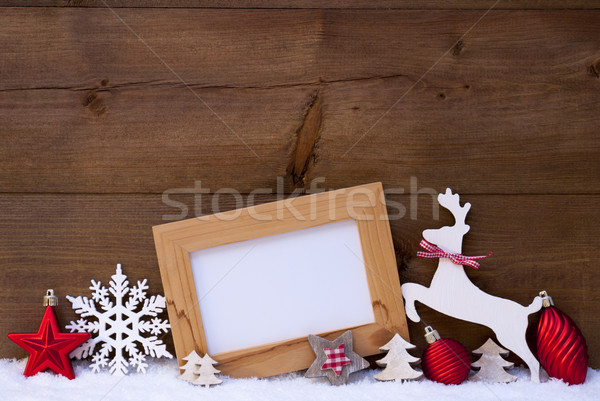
49	348
336	359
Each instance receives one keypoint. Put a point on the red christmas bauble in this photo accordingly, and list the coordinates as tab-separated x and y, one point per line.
561	347
445	360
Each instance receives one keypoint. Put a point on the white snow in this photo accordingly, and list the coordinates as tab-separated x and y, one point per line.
160	383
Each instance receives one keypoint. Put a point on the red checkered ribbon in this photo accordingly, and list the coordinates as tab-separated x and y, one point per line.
336	359
457	258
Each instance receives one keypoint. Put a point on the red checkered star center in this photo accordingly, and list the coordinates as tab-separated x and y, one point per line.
336	359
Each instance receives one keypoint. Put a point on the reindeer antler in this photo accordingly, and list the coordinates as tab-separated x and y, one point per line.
452	203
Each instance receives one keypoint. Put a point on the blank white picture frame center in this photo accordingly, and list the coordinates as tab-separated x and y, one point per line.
286	286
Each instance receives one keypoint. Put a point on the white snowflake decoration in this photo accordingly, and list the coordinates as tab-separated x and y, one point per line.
119	326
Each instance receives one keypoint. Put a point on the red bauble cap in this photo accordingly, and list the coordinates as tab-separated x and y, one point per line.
561	347
445	360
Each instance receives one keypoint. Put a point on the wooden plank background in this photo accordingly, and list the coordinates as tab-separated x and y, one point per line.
103	109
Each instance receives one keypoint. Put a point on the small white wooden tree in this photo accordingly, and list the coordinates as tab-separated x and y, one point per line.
189	369
206	372
492	364
199	371
397	361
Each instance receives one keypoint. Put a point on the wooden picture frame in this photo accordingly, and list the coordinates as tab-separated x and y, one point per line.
365	204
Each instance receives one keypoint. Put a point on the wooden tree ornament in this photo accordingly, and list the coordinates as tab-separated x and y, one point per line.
189	368
492	364
453	294
199	371
206	372
397	361
335	359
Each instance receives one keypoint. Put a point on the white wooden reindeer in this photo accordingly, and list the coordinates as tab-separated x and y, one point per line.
452	293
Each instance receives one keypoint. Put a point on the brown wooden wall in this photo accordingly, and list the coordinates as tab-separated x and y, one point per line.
103	109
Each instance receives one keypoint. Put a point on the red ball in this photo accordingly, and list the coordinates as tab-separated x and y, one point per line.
561	347
446	361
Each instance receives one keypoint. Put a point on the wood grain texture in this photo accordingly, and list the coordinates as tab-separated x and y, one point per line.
516	100
331	4
539	242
